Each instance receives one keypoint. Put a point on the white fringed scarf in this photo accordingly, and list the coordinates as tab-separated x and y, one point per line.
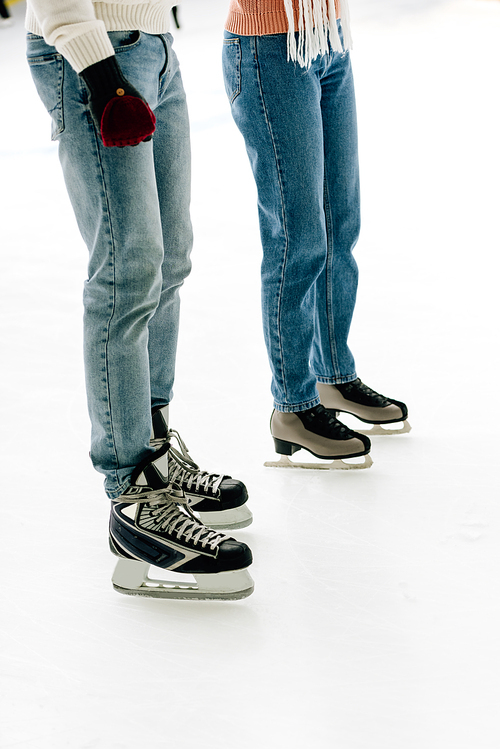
317	27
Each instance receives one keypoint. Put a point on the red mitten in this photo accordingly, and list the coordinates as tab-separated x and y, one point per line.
126	121
121	115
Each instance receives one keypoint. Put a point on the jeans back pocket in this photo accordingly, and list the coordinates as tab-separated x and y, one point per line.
48	74
231	67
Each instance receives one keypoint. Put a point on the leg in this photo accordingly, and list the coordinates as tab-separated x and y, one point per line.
284	141
339	388
172	163
331	360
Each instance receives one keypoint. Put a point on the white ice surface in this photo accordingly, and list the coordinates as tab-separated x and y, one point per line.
375	619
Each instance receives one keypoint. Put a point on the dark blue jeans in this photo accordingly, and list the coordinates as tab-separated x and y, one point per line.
300	132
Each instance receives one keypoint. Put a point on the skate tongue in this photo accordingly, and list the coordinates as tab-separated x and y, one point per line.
130	511
182	444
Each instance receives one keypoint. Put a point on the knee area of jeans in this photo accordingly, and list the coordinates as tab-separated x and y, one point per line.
138	282
141	292
177	275
177	264
140	268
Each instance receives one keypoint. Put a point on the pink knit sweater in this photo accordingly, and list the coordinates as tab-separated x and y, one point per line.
260	17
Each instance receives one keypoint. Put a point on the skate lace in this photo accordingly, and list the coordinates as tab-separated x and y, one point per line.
361	387
326	418
184	472
181	523
366	390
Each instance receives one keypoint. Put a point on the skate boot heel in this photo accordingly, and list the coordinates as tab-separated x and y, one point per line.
285	448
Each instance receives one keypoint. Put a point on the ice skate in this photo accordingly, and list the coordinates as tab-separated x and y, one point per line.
322	435
219	501
151	525
358	399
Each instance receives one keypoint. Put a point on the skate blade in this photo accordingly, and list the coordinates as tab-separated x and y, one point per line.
131	578
332	465
382	429
238	517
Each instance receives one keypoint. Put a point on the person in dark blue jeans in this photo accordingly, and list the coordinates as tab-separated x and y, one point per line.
300	130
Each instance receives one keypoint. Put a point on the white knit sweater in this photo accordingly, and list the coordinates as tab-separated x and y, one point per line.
78	28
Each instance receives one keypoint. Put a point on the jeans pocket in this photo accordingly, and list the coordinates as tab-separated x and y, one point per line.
231	67
124	40
48	74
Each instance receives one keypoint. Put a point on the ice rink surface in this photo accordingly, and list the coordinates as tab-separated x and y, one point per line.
376	616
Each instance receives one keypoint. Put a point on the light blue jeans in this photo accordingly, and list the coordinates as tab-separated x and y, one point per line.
132	208
300	132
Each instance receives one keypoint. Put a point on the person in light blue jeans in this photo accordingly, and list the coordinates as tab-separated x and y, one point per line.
132	205
300	130
132	208
119	116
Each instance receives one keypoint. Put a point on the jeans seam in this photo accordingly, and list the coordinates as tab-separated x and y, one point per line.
227	43
113	297
328	270
283	213
61	91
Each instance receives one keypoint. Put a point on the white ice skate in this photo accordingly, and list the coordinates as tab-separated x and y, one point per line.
386	415
322	435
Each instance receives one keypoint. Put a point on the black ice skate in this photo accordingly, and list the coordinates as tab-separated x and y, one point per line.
151	525
358	399
321	434
219	501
